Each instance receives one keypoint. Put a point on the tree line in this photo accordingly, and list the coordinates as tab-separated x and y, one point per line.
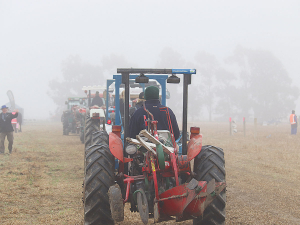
249	82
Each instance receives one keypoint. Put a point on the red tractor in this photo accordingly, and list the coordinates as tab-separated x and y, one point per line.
74	115
149	173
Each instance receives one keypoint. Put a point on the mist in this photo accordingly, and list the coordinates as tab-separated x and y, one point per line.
39	41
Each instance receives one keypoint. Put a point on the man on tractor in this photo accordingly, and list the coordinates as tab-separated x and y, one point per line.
139	103
139	118
97	100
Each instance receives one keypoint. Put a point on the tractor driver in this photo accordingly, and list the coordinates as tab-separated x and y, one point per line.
152	103
97	100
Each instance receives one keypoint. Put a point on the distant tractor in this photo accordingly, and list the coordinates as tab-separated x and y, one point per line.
95	115
73	117
149	171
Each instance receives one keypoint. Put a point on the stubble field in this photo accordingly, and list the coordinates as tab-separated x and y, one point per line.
41	181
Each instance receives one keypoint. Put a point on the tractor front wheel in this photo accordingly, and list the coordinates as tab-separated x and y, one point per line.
210	164
99	176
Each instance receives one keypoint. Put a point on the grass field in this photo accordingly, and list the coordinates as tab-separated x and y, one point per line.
41	181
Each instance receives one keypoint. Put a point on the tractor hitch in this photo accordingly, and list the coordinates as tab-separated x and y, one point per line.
188	200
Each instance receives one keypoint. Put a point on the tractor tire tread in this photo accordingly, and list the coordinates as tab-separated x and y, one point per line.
99	176
210	164
91	126
100	137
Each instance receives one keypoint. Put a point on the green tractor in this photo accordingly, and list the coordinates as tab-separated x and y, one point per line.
73	117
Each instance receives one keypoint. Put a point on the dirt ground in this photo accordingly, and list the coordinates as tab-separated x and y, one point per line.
41	181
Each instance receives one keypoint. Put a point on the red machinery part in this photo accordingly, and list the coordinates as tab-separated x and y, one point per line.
194	131
154	176
177	199
82	110
194	147
116	146
129	180
196	209
189	199
175	168
183	163
116	129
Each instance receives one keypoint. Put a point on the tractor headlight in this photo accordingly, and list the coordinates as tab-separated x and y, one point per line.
131	149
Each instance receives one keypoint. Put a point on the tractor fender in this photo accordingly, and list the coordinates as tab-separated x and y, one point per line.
116	146
194	147
82	110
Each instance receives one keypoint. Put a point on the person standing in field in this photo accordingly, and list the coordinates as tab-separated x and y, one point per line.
6	128
294	123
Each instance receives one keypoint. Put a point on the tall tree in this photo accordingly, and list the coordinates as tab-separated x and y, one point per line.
169	58
226	94
207	66
111	62
264	84
75	75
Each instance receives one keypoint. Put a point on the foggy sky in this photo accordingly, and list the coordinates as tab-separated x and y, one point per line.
35	36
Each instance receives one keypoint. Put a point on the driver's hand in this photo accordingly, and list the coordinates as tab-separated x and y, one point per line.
16	110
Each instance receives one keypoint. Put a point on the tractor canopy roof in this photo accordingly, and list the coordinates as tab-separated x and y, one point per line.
76	98
136	89
142	76
158	80
80	101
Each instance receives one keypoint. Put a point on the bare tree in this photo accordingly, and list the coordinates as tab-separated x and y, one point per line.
169	58
75	74
207	66
226	94
263	83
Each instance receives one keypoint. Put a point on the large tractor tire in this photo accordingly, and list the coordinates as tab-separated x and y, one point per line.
99	176
100	137
91	126
65	126
210	164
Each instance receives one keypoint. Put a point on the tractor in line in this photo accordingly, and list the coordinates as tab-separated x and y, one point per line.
157	175
73	117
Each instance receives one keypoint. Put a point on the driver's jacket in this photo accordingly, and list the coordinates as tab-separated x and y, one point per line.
137	121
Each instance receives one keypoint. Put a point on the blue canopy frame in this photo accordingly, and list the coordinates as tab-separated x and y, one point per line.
161	79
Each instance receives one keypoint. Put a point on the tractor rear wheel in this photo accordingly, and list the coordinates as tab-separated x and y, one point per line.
91	126
210	164
99	176
100	137
65	126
